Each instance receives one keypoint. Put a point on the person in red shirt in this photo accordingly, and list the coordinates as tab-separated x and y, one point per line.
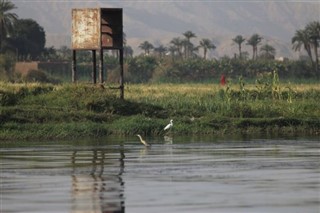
223	80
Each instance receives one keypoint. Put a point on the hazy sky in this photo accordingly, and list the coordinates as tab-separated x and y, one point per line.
158	21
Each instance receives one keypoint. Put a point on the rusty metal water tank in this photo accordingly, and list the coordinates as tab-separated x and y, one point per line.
97	28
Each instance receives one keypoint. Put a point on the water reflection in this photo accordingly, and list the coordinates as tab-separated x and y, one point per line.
190	175
62	178
168	139
101	190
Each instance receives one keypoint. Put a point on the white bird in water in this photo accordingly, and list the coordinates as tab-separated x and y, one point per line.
143	141
169	126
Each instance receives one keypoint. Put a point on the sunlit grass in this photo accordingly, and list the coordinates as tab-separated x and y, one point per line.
208	98
28	110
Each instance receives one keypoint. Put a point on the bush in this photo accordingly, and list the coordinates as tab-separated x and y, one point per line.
114	105
36	76
141	68
191	70
7	63
8	98
39	76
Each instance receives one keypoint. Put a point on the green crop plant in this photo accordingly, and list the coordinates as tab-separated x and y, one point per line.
276	88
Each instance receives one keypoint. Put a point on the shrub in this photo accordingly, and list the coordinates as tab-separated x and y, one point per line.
8	98
141	68
7	62
36	76
191	70
39	76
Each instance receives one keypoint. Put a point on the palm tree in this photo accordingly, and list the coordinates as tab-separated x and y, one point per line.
189	34
239	40
300	39
146	46
193	50
268	51
185	43
313	31
254	41
188	46
161	50
177	43
7	19
172	50
206	44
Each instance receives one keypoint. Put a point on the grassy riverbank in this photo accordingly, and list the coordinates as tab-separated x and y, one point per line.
34	111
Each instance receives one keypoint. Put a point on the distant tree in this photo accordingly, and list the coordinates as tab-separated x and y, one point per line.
28	38
64	53
313	31
206	44
141	68
194	50
254	41
7	19
245	55
300	39
268	51
172	50
239	40
189	34
127	51
178	44
49	53
146	47
187	43
161	50
189	48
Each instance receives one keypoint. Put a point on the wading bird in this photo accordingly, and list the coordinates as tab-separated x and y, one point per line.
169	126
143	141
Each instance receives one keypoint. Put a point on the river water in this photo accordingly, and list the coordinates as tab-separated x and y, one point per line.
176	174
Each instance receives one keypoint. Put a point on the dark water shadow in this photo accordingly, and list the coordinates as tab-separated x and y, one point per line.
99	187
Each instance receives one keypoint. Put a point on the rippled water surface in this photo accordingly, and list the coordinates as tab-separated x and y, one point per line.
174	175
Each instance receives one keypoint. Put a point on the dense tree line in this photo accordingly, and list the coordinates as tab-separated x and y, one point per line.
25	38
188	64
180	60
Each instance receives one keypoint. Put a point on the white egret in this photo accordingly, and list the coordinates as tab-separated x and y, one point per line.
143	141
169	126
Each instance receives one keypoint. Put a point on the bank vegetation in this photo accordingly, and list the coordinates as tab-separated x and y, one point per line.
266	106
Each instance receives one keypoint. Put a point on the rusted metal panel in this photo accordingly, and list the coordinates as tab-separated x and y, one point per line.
97	29
86	28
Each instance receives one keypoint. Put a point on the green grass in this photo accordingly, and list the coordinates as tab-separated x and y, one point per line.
29	111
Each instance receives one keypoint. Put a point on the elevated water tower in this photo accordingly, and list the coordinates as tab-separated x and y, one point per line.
97	29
